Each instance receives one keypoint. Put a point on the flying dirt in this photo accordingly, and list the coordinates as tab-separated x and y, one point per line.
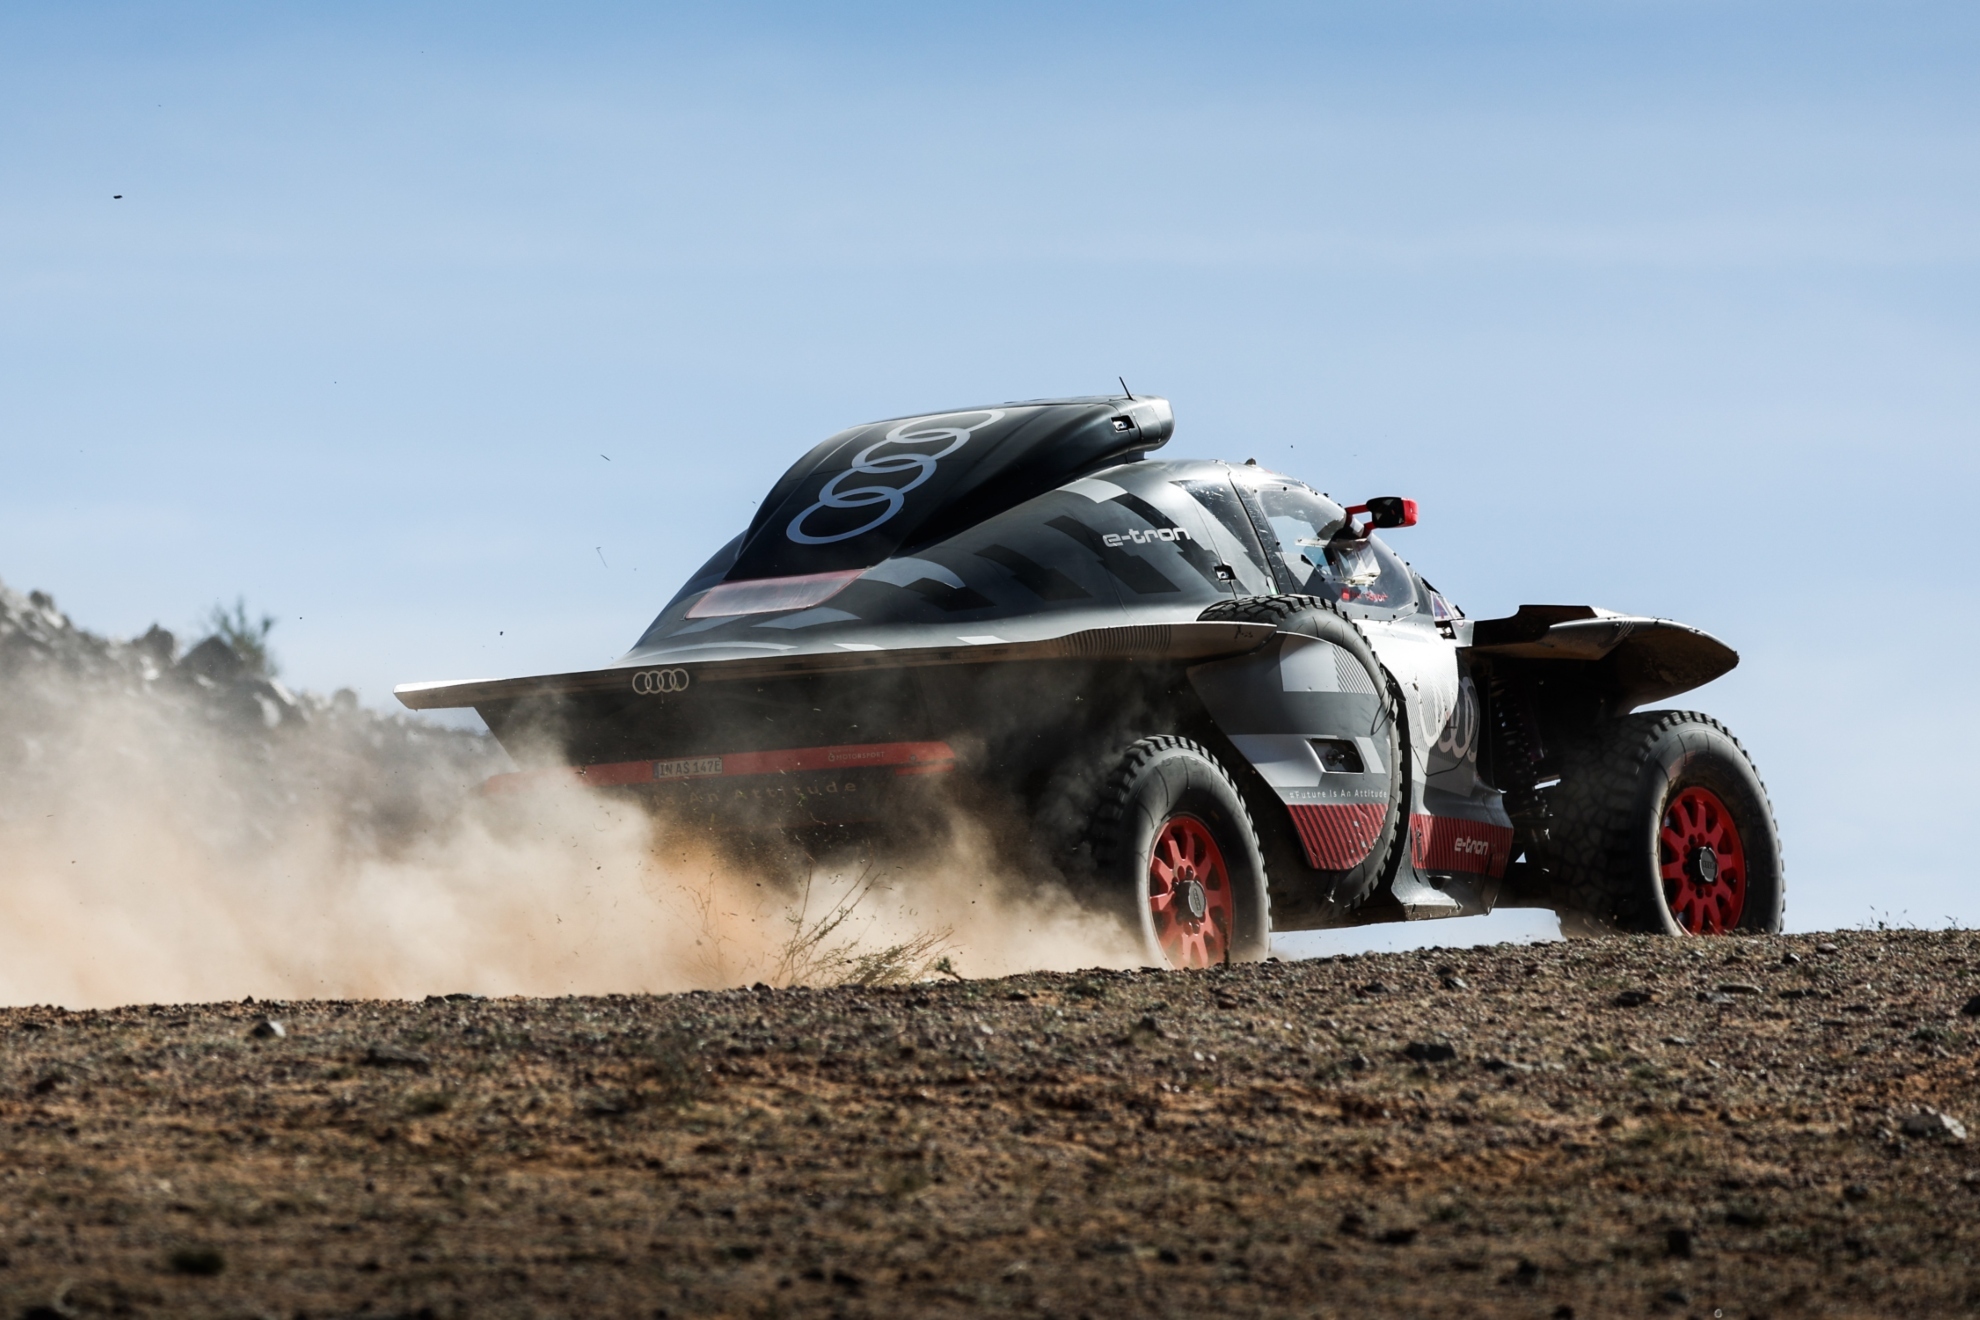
178	826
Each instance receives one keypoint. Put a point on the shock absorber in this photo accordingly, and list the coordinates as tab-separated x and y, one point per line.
1519	758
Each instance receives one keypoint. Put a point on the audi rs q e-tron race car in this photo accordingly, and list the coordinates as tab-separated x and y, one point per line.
1206	695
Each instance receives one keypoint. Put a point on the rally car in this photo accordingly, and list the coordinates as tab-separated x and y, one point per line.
1213	698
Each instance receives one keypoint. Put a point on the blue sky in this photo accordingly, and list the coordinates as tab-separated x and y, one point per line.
457	336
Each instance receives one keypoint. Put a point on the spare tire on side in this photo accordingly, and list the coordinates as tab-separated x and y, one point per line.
1660	825
1324	858
1176	859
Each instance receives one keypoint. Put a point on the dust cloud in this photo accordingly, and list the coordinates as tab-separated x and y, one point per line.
175	830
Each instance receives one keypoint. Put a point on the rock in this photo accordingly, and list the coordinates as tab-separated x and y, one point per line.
1739	988
1633	998
267	1029
1373	988
1827	948
384	1056
215	660
1714	997
158	644
1455	983
1933	1125
1790	958
1426	1051
200	1261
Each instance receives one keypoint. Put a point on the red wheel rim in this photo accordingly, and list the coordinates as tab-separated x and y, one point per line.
1189	893
1703	863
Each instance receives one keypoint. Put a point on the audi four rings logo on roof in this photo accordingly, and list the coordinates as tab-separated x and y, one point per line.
653	682
915	431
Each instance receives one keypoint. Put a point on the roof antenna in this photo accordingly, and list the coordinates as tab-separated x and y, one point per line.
1124	389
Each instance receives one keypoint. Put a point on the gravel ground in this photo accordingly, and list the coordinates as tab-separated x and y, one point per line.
1618	1127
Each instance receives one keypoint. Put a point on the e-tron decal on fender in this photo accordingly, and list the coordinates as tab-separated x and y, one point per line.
915	431
654	682
1143	538
1441	843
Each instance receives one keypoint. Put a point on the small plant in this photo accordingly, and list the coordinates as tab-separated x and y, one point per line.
898	964
811	955
247	638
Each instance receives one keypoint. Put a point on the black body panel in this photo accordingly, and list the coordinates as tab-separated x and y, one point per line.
845	504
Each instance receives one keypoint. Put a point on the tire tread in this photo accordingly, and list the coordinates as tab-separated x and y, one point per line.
1113	828
1592	836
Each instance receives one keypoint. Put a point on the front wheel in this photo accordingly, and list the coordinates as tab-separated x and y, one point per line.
1176	857
1662	826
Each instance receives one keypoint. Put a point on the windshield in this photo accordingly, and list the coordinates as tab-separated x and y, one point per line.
1320	553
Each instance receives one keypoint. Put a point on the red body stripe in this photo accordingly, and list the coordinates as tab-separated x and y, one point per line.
855	756
904	758
1337	835
1444	843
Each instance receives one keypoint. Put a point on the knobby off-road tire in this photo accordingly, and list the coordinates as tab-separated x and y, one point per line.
1662	826
1339	893
1176	859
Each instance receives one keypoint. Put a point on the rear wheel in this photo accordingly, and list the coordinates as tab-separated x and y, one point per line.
1662	826
1175	856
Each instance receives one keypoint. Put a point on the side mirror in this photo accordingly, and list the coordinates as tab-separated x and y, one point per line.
1387	511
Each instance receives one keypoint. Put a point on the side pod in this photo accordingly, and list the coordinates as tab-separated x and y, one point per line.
1307	716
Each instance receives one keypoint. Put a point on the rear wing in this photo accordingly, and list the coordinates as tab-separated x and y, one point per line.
1170	642
1640	659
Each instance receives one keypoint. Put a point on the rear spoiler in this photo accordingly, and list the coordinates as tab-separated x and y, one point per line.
1179	642
1642	659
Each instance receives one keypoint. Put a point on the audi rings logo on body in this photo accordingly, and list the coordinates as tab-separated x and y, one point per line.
870	462
655	682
